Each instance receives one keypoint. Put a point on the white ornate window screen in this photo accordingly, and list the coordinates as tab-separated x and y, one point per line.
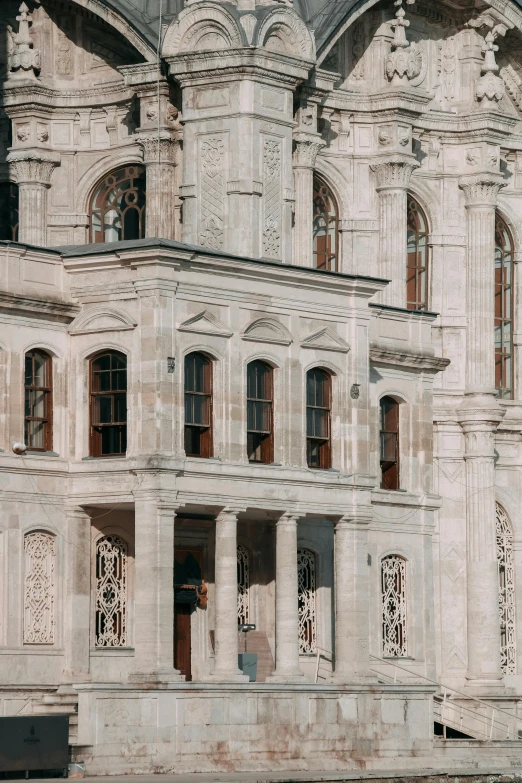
111	592
306	601
506	592
393	589
243	585
39	588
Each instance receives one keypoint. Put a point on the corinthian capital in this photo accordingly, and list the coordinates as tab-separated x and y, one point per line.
481	189
394	171
32	165
160	150
306	148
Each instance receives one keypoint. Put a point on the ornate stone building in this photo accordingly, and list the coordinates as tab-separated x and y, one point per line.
260	363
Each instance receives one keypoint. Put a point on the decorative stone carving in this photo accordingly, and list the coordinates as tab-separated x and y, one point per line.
22	59
32	170
111	592
306	149
32	165
405	60
272	198
394	171
506	592
39	588
490	87
306	601
248	23
393	587
482	189
164	149
212	151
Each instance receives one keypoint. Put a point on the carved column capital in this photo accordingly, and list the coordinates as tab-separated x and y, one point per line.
394	172
160	150
482	189
306	149
33	165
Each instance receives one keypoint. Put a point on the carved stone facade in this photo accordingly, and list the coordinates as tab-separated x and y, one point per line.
214	244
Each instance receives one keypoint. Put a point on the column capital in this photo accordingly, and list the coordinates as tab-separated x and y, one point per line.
231	511
358	517
306	148
289	518
393	172
162	149
482	189
33	165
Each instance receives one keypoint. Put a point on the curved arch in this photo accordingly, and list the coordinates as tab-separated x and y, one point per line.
197	22
35	527
102	319
267	329
117	207
291	32
129	156
398	396
337	183
511	218
325	226
89	353
50	348
272	361
417	255
210	353
428	201
328	366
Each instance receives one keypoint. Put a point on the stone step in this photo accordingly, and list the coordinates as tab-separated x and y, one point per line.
257	642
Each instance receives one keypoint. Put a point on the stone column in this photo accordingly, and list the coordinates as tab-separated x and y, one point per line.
352	629
226	635
392	175
154	591
287	616
306	148
32	170
77	597
479	416
160	158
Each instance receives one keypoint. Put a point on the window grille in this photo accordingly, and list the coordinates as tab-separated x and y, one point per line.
393	588
9	211
417	257
506	592
108	404
243	585
306	601
504	309
118	206
39	588
38	412
325	227
111	592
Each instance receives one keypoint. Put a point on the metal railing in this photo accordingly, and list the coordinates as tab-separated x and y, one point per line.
321	653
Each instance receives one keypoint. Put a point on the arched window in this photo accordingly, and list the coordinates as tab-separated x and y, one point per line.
417	258
39	587
111	592
506	592
9	211
318	416
38	416
306	600
325	227
260	434
198	405
118	206
389	446
243	585
108	391
393	590
504	309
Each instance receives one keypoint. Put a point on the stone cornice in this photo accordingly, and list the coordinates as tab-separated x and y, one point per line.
416	361
46	308
38	97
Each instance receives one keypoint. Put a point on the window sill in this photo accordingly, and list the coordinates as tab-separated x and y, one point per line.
106	456
117	652
398	658
35	453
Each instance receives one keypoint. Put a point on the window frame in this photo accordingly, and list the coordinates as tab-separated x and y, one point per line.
504	392
48	402
325	444
95	439
207	434
135	173
331	263
12	210
266	445
390	467
419	302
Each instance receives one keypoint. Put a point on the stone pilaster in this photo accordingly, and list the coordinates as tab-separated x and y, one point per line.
286	613
77	595
226	635
32	170
352	629
392	175
306	147
154	599
160	156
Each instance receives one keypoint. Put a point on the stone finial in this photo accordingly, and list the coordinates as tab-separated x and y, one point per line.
490	87
22	59
405	60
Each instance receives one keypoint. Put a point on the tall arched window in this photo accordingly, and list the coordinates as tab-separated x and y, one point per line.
118	206
325	227
506	592
9	211
318	419
243	585
504	309
393	591
108	392
417	258
389	446
198	405
39	587
111	592
260	433
306	600
38	415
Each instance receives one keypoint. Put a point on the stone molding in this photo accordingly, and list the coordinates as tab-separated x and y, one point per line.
33	165
394	171
482	189
408	359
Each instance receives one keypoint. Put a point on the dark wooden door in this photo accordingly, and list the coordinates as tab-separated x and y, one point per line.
182	643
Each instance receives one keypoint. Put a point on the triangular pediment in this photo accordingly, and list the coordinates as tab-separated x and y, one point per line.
106	319
267	330
326	339
205	323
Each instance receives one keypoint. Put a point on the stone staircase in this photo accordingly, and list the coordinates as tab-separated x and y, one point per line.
257	642
63	701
